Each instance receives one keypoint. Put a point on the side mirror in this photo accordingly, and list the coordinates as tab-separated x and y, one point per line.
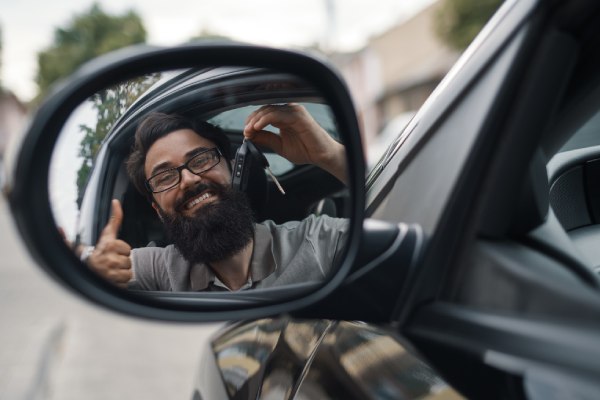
74	160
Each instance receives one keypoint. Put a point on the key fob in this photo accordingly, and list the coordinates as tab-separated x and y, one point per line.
247	166
249	161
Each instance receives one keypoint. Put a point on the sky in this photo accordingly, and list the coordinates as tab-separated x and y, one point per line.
28	26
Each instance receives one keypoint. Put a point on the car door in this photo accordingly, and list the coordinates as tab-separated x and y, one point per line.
500	304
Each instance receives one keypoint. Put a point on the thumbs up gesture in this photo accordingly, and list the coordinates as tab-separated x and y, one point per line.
110	258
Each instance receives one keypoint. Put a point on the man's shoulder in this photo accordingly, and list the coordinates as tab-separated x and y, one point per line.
310	230
310	222
153	252
301	251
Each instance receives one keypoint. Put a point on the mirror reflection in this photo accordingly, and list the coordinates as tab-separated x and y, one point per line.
213	179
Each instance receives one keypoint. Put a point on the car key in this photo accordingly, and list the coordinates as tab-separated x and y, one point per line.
247	158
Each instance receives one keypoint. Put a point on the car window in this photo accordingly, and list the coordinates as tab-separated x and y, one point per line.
586	136
236	119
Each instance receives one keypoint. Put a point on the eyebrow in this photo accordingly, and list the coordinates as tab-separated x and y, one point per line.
163	166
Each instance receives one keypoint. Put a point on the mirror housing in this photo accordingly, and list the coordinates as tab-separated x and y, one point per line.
27	189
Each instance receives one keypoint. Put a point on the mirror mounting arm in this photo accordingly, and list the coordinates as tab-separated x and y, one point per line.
385	263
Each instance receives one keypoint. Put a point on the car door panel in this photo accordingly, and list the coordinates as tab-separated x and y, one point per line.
509	356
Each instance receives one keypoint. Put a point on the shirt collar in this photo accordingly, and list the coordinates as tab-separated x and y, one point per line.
262	264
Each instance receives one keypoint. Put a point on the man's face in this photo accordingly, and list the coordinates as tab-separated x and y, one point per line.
176	149
205	218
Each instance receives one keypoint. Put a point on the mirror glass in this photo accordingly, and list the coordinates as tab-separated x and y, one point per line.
155	188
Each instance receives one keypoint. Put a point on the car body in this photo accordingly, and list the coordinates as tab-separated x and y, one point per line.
474	334
477	263
309	359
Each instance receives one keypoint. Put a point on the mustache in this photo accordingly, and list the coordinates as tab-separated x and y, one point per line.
196	191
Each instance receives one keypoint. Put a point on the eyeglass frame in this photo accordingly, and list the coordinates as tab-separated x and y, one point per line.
182	167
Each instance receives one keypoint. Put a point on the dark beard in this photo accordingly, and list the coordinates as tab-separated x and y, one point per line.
217	231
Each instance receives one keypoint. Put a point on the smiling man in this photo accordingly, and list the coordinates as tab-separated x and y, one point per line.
183	168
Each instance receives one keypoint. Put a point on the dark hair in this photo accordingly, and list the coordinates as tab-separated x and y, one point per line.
157	125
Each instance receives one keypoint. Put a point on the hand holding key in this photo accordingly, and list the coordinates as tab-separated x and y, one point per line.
301	139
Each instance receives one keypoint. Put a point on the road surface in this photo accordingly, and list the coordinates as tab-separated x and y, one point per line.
55	345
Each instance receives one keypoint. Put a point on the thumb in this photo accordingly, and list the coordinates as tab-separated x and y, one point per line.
114	223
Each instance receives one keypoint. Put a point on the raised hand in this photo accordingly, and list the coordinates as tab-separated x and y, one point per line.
301	139
110	258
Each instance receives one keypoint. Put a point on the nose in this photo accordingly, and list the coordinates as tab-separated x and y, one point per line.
188	178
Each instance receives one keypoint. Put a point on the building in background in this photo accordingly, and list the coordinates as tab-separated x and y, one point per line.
387	89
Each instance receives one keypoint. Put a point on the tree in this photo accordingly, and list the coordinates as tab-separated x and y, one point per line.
459	21
87	36
208	35
110	104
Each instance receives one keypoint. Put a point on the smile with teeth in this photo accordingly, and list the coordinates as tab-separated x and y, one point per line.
198	200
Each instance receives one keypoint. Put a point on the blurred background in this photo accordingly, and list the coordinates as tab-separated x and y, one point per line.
392	53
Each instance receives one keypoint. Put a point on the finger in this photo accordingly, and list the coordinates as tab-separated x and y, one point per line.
258	112
251	116
120	262
119	276
116	246
111	229
103	260
275	117
268	139
278	113
250	128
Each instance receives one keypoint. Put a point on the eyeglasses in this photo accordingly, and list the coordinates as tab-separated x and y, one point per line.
199	164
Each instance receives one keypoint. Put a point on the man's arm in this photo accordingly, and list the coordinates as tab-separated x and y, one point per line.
301	139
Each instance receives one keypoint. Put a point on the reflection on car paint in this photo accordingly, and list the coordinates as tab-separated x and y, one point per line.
286	358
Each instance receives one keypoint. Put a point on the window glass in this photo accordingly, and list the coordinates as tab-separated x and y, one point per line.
236	118
587	136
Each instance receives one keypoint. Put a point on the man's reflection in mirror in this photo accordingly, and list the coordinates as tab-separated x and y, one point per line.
183	167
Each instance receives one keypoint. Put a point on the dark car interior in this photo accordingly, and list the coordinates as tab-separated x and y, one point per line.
557	211
225	102
575	196
573	169
573	142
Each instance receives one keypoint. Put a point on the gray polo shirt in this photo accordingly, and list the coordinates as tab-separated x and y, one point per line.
294	252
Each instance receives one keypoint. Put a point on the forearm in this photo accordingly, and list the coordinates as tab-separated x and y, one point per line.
335	162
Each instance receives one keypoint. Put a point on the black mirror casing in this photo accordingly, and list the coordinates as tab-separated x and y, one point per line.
28	192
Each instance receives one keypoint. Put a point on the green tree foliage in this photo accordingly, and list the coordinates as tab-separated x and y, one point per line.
208	35
110	105
459	21
87	36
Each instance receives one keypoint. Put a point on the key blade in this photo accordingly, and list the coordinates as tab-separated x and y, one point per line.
268	170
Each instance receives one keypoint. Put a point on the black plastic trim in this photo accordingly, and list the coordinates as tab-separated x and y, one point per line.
481	333
388	257
29	200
